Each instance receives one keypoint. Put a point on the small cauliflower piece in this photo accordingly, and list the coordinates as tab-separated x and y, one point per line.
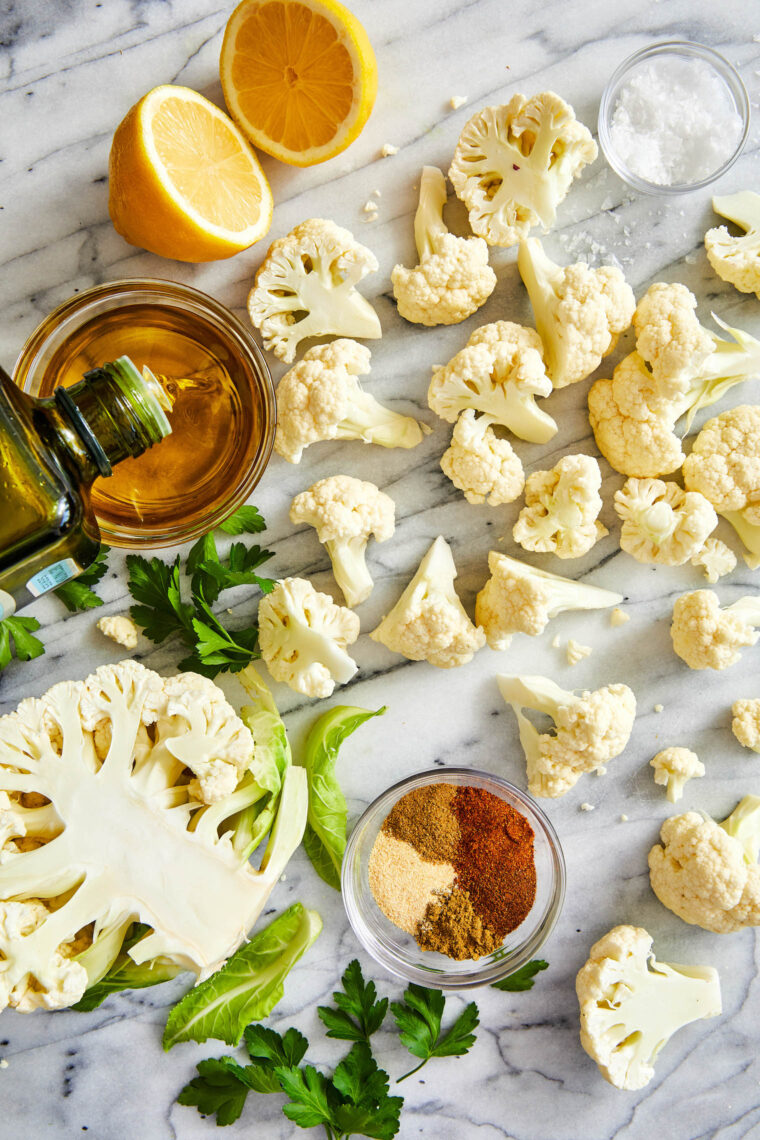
661	522
673	767
320	399
499	373
619	617
453	277
514	164
428	622
724	466
715	559
707	872
120	629
631	1004
63	980
305	287
303	637
387	150
484	467
579	311
708	637
346	512
561	508
575	652
737	259
518	598
745	724
591	728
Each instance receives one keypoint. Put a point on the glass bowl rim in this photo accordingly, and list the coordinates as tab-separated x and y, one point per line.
724	68
490	971
75	307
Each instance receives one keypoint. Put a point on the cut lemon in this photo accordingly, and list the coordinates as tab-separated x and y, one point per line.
184	181
299	76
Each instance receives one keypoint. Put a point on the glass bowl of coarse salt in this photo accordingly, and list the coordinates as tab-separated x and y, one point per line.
673	117
453	878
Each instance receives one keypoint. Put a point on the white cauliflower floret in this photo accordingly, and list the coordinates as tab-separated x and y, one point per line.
631	1004
62	981
518	598
428	622
484	467
320	398
670	338
561	508
514	164
591	728
707	872
708	637
745	724
303	637
724	466
305	287
575	652
346	512
120	629
579	311
661	522
499	373
737	259
715	559
673	767
453	278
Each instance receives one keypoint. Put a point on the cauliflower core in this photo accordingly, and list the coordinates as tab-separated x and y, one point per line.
662	523
708	637
561	508
737	259
673	767
746	722
480	464
453	278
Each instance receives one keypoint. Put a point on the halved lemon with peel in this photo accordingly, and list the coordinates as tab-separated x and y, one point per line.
184	181
299	77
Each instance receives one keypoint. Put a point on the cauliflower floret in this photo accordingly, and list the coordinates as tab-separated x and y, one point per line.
346	512
561	508
715	559
724	466
120	629
591	728
303	637
673	767
579	311
708	637
485	467
707	872
453	278
631	1004
305	288
514	164
320	398
499	373
428	622
518	598
662	523
737	259
54	984
745	724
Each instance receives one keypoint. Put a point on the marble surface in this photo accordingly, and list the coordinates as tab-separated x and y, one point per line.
70	70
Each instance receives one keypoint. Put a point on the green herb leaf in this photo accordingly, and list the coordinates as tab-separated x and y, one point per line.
245	520
371	1111
155	585
359	1013
308	1092
221	1088
325	837
419	1019
248	986
216	648
16	633
78	594
379	1122
266	1047
522	979
238	569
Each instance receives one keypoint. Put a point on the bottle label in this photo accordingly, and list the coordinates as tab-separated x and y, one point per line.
52	576
7	605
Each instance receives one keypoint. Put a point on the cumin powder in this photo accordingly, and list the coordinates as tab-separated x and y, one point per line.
424	818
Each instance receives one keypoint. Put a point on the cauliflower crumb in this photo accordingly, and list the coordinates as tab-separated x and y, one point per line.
377	193
556	641
369	207
457	101
120	629
576	652
587	807
659	708
618	617
3	1064
388	150
624	818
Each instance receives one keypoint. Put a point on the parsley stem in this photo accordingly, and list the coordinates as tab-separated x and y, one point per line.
412	1071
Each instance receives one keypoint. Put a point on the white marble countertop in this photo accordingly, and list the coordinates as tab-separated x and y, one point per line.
69	73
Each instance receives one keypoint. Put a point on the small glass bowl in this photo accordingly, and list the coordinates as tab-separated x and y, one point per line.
398	951
683	49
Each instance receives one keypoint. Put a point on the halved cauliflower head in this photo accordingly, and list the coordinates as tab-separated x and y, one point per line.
514	164
661	522
303	637
305	287
579	311
484	467
745	724
561	508
674	767
708	637
737	259
453	278
320	398
707	872
499	373
428	622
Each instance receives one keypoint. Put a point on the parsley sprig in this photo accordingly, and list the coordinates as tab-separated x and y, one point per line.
78	594
359	1013
17	633
522	979
419	1019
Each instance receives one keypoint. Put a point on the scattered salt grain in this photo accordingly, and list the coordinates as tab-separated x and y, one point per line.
457	101
674	121
659	708
619	617
387	150
587	807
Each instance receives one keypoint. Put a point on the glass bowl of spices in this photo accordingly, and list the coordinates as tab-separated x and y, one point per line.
453	878
673	118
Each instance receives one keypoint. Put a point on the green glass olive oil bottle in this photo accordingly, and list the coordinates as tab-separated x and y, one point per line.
51	452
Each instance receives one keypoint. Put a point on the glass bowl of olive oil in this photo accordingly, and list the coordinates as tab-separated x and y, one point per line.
223	415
